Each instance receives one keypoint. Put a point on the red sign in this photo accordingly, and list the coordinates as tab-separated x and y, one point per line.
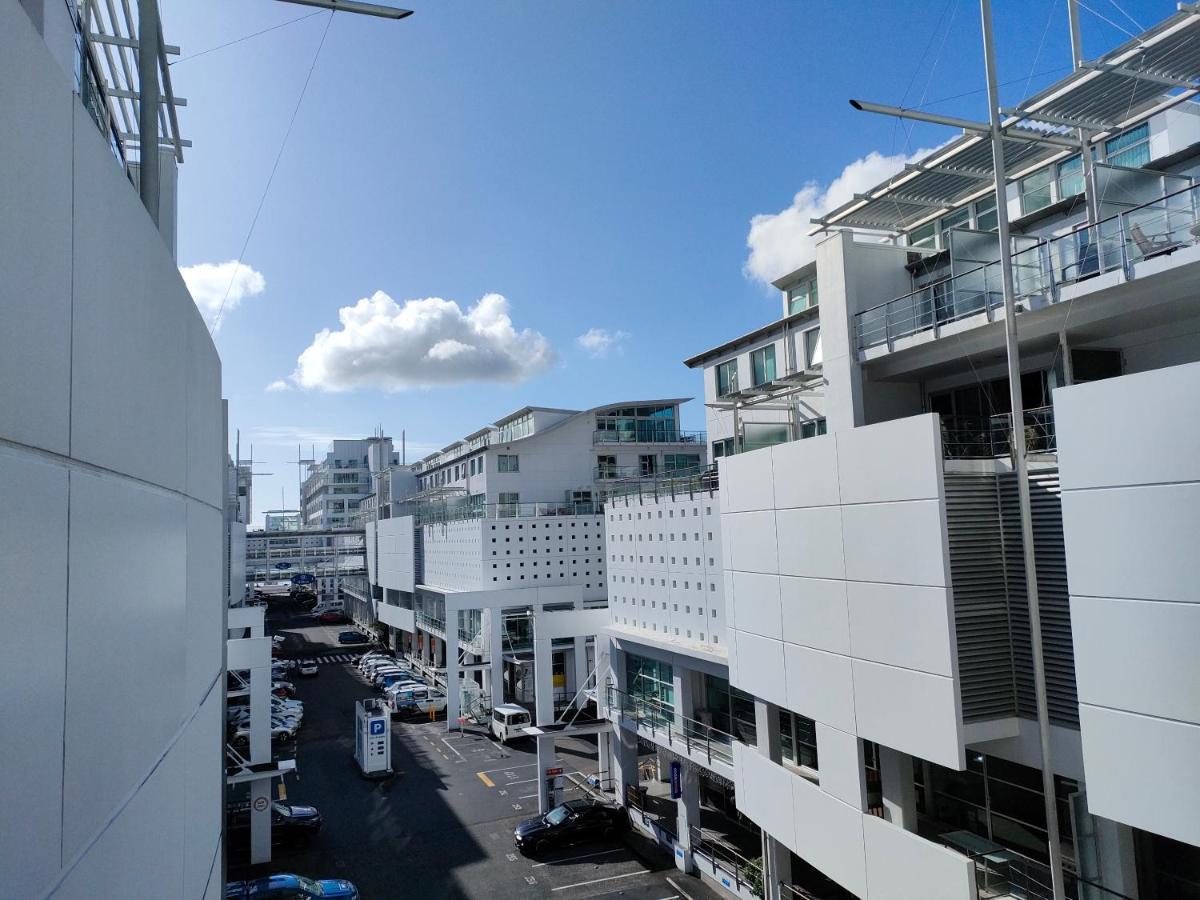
554	773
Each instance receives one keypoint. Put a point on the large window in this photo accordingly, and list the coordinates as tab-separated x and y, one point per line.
508	462
986	218
723	448
606	466
802	296
648	463
1070	177
812	428
925	236
517	428
508	505
1037	191
813	355
762	365
727	378
673	462
1131	149
960	218
651	682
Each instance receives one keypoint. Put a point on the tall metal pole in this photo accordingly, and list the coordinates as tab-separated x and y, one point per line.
1085	145
1017	442
148	101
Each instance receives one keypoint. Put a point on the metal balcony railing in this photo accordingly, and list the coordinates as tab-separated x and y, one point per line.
651	436
697	481
990	437
745	873
430	623
679	731
1152	229
1004	873
433	512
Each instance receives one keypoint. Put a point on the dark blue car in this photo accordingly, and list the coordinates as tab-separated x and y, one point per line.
353	637
290	887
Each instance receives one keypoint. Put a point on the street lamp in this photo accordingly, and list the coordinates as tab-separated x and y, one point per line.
353	6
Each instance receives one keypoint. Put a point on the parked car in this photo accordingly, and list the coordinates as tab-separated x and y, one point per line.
282	731
379	664
509	721
332	617
414	699
282	688
352	637
291	826
308	667
392	679
290	887
569	823
378	675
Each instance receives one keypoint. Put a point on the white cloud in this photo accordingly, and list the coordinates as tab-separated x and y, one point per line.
383	344
210	283
278	385
598	341
779	242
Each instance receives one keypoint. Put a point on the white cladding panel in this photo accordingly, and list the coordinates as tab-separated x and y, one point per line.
1131	513
117	633
395	542
902	865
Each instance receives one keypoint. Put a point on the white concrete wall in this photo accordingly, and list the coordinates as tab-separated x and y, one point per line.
111	469
395	541
837	583
664	569
1131	514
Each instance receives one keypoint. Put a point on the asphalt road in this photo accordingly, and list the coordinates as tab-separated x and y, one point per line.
442	827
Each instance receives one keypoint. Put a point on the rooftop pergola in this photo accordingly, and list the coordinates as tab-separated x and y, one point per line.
1146	75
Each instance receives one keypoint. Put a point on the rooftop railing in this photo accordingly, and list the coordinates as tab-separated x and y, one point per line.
1153	229
990	437
434	513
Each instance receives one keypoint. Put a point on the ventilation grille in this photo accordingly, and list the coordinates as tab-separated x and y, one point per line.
991	613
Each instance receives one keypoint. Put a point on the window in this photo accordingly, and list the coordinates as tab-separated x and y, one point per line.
1036	191
960	218
813	355
675	461
727	380
507	462
812	428
1070	177
798	739
722	448
606	466
985	214
1130	149
925	236
508	505
648	463
762	365
802	296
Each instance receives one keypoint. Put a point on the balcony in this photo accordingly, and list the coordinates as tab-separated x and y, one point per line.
990	437
662	724
701	480
657	435
1160	227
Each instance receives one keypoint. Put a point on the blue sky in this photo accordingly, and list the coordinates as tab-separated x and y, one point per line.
598	164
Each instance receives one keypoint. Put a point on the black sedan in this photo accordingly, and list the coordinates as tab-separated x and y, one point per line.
570	823
291	826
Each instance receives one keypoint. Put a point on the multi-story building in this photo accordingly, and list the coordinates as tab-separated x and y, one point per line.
112	469
871	555
493	563
282	520
335	487
274	557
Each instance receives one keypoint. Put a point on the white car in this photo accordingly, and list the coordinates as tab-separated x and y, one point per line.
378	663
308	667
280	731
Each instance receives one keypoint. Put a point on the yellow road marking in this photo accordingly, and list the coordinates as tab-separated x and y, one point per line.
485	779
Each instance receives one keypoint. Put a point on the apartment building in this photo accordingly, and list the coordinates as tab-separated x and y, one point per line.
492	568
112	469
876	618
335	486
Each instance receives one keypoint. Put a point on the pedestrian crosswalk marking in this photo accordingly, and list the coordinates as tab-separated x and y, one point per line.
336	658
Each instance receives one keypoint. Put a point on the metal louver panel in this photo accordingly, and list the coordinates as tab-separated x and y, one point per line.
991	612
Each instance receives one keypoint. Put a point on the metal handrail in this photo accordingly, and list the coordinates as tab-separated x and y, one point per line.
1153	228
679	483
434	513
990	437
1003	872
746	872
694	737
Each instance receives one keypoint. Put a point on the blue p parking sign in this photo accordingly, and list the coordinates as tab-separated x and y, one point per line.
377	726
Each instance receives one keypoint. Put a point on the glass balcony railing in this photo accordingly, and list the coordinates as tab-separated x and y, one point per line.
432	513
662	721
990	437
1153	229
678	483
649	436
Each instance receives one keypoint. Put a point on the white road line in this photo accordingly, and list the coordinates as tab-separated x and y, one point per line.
526	796
508	768
452	750
523	780
555	862
567	887
678	888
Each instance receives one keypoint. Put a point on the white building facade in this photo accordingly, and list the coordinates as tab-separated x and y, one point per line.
336	485
870	549
112	467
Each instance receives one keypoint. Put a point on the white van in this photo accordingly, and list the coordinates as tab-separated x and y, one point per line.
509	721
415	698
325	606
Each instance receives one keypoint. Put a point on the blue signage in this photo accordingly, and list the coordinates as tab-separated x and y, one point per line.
283	565
303	578
676	780
377	726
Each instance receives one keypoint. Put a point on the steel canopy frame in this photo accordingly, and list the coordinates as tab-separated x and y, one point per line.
1154	71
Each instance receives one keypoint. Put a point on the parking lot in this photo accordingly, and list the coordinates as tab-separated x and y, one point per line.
442	827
